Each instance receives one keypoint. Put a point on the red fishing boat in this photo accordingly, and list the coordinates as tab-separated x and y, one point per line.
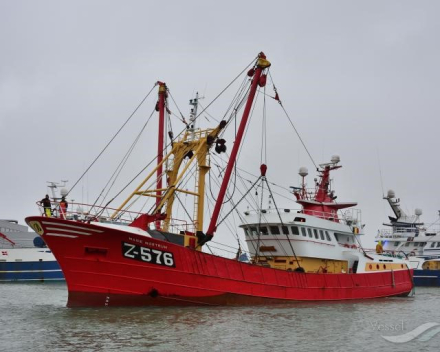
128	258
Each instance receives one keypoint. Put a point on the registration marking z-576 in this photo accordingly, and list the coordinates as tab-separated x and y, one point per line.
148	255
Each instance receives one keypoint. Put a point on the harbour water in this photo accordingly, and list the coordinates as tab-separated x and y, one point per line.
33	317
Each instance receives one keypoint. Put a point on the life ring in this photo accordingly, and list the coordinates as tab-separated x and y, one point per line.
346	245
354	246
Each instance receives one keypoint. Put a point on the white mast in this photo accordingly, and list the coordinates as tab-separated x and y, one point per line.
193	114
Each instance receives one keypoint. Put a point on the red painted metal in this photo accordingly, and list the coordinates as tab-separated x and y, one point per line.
160	144
214	217
262	81
322	204
7	239
98	274
322	194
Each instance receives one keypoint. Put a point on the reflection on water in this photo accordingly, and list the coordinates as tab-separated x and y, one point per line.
34	318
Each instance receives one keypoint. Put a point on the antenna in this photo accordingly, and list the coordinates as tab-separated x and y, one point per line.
55	185
193	114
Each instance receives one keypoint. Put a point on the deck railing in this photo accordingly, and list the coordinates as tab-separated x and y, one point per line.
349	216
86	213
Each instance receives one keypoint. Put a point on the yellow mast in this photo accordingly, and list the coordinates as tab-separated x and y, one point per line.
197	149
195	145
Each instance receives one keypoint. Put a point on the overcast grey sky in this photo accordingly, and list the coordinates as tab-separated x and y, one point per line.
359	78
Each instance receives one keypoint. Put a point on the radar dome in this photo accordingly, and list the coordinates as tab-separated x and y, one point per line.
418	211
64	192
335	159
303	171
391	194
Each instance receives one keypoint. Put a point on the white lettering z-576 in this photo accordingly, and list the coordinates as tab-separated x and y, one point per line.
148	255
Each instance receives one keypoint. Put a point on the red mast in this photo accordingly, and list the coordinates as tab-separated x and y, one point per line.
258	79
321	203
160	145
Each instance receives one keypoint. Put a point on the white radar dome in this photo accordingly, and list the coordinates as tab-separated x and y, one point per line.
63	192
418	211
303	171
335	159
391	194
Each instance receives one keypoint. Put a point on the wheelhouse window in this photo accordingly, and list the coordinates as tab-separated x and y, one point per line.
315	232
337	237
321	234
285	230
254	231
303	231
294	230
438	244
264	230
274	230
432	244
396	244
309	231
327	236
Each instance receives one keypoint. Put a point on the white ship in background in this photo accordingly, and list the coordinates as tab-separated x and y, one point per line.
23	254
407	235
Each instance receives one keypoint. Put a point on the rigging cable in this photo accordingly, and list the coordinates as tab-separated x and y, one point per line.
244	137
111	140
290	120
175	138
254	208
227	87
260	241
119	168
257	253
182	117
282	224
239	201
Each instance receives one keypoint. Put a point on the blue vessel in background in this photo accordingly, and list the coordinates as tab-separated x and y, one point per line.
24	256
407	236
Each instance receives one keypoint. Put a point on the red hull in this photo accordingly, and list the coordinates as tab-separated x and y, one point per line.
103	267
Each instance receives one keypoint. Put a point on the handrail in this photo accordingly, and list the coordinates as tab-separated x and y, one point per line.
349	216
388	253
86	213
403	232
